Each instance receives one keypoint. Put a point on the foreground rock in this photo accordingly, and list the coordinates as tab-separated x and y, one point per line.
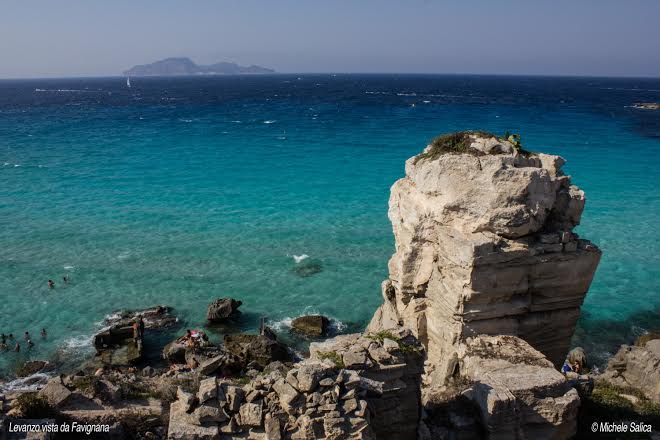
221	309
319	398
484	245
311	325
636	367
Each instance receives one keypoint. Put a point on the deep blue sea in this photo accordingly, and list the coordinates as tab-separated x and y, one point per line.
180	190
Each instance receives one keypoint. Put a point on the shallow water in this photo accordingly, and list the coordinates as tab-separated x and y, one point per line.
181	190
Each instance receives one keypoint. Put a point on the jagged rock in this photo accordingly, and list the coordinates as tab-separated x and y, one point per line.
184	426
56	393
311	325
187	400
256	348
211	365
222	308
251	414
208	414
273	428
109	392
289	397
32	367
482	247
309	375
208	389
234	395
517	389
175	353
649	336
636	367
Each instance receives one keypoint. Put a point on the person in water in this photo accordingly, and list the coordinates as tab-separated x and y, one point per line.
65	279
51	284
27	336
3	338
17	347
11	336
30	344
43	333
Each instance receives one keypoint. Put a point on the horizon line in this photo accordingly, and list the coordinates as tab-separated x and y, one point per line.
540	75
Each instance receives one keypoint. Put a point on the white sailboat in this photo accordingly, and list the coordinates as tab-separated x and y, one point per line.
128	82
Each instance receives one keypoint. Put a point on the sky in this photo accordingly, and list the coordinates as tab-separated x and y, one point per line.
60	38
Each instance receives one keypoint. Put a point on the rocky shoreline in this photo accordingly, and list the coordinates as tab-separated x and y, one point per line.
482	298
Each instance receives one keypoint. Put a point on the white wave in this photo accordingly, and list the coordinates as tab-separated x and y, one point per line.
406	94
282	324
185	120
237	122
6	164
299	258
426	102
77	344
68	267
124	255
31	383
270	121
16	165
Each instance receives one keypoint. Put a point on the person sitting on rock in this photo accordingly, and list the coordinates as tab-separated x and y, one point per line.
576	367
566	368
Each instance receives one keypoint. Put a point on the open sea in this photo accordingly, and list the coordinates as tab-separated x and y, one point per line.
177	191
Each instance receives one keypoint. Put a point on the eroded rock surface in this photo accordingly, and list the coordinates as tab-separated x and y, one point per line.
484	245
637	367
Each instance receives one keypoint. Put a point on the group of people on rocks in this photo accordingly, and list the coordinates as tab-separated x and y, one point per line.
7	340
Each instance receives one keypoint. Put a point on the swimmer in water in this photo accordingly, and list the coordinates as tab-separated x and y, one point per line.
30	344
17	347
43	333
51	284
27	336
65	279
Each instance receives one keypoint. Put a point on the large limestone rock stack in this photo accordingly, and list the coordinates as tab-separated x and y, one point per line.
484	245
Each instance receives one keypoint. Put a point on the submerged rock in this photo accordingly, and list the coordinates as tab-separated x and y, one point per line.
221	309
311	325
32	367
307	268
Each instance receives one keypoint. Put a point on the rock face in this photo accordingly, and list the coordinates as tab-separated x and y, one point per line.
222	308
517	390
311	325
319	398
484	245
637	367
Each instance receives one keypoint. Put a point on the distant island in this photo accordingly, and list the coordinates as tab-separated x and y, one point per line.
185	66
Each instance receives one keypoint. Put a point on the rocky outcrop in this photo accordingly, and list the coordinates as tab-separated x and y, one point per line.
484	245
120	343
329	396
258	349
311	325
221	309
636	367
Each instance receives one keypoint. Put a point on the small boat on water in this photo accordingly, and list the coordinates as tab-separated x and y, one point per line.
128	82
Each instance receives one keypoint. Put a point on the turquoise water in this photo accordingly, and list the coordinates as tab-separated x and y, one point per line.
178	191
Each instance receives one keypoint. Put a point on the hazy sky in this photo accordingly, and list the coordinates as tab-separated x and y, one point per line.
95	37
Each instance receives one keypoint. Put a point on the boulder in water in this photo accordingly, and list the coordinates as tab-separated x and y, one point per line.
256	348
32	367
222	308
311	325
307	268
